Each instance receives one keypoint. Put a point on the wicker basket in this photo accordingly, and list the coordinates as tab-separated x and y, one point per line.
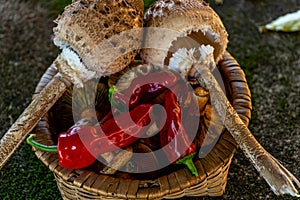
213	169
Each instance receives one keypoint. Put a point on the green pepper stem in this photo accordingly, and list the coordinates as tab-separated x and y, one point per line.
188	161
30	140
111	91
116	104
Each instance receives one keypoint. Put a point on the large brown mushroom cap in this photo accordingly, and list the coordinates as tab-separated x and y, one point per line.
187	23
102	32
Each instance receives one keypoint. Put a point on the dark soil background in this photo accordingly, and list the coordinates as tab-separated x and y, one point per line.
271	62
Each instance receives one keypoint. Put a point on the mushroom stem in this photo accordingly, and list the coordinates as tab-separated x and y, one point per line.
31	116
276	175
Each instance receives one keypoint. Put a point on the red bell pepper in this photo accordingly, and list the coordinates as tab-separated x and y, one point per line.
72	153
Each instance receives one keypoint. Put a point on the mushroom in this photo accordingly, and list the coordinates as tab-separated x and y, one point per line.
97	38
92	36
188	37
172	24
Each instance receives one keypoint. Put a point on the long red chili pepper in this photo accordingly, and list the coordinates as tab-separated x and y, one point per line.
173	137
113	135
80	146
144	88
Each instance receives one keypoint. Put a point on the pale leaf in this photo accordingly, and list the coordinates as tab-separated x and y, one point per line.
287	23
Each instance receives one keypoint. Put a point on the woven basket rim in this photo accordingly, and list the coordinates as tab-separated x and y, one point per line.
209	167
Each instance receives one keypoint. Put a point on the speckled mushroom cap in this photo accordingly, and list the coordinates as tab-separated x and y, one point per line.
182	23
105	34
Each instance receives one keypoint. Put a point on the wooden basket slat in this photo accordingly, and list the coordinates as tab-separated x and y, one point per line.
215	192
239	88
89	182
47	158
143	193
200	169
209	162
223	149
54	164
191	178
234	68
64	173
113	184
97	185
82	178
164	184
231	143
123	188
242	102
242	111
154	193
221	154
216	189
201	184
217	175
199	189
63	187
173	182
225	171
133	189
74	174
242	96
215	181
230	63
83	195
175	195
182	179
235	73
245	119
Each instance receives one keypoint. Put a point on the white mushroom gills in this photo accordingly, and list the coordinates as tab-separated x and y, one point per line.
83	74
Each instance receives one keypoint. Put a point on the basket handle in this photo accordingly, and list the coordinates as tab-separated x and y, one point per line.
31	116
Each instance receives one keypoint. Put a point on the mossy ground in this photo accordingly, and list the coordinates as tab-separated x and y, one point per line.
271	62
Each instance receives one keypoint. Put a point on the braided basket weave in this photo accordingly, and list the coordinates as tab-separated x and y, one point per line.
212	169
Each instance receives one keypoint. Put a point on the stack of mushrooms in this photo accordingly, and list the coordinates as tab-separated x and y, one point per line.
166	57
